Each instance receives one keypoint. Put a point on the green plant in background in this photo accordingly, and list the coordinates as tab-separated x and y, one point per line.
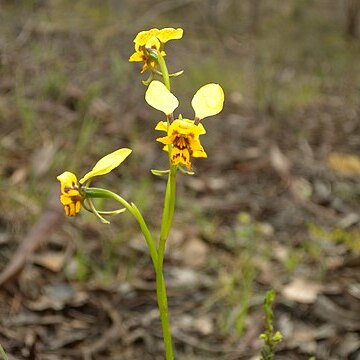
271	338
236	284
351	238
181	142
247	231
3	353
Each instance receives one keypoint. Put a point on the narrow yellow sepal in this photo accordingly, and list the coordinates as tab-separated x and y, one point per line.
208	101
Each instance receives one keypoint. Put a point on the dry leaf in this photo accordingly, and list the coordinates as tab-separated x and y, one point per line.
42	159
302	291
204	325
279	161
344	164
195	253
326	309
52	261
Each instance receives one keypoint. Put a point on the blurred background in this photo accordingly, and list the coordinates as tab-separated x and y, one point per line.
275	204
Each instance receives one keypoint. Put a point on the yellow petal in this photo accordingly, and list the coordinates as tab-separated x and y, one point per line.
137	56
153	43
208	101
201	128
77	207
197	150
73	208
186	127
180	157
144	36
65	200
165	140
160	98
167	34
199	154
67	179
161	126
107	164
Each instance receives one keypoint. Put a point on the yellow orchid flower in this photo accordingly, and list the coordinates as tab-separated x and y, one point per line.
183	134
71	189
153	39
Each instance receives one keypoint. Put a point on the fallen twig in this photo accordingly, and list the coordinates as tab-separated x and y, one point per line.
39	233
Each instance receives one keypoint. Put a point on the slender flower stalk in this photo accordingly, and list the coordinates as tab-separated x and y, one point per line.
164	71
107	194
168	213
167	218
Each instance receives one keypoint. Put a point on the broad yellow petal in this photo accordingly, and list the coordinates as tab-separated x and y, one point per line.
107	164
208	101
167	34
160	98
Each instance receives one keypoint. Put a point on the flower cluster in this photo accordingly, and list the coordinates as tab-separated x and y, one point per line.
150	43
182	138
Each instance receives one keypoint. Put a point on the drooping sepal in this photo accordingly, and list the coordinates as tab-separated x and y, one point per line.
149	79
160	172
185	171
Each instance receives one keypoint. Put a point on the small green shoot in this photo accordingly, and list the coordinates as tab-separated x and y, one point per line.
270	338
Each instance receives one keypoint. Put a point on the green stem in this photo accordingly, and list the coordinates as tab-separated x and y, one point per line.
164	70
103	193
169	206
164	315
168	213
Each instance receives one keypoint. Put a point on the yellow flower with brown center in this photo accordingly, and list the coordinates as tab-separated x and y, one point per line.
152	40
183	135
182	140
72	195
